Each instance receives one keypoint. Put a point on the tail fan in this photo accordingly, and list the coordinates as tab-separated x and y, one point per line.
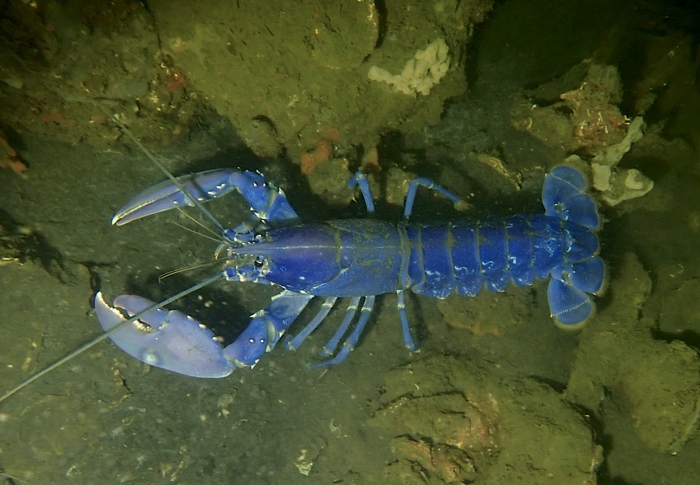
582	272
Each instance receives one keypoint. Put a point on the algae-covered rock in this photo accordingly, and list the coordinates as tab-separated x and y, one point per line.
455	422
621	369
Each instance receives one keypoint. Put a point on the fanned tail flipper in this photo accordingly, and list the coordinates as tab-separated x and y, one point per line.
582	273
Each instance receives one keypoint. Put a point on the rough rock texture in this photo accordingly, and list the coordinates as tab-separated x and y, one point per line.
587	121
303	65
454	422
284	73
66	67
620	370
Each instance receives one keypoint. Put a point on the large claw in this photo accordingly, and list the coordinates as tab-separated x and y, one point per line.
167	339
179	343
268	202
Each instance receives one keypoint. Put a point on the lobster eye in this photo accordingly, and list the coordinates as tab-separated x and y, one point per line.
258	263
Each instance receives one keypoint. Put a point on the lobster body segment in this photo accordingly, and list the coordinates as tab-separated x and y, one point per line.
341	258
362	258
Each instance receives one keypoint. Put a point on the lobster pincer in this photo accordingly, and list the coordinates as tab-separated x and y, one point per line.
267	201
162	338
177	342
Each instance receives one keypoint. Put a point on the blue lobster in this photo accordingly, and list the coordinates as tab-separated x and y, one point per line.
358	259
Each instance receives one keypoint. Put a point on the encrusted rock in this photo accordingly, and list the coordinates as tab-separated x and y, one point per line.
420	73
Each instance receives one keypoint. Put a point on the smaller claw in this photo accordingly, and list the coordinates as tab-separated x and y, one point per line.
267	202
166	195
167	339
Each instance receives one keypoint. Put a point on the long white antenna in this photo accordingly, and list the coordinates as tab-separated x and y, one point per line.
172	178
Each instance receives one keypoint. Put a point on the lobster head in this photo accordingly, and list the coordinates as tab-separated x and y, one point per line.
336	258
299	258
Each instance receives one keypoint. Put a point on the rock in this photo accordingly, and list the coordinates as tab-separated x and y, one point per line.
612	154
455	422
680	309
306	70
622	373
587	120
329	181
625	185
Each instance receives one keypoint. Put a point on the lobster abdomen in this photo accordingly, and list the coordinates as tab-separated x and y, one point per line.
469	256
